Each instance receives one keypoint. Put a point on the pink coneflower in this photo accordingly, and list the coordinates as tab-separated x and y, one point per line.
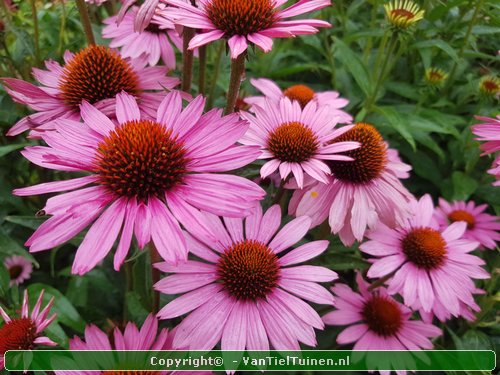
147	175
481	227
19	269
295	139
95	74
244	22
153	42
377	321
361	193
303	94
489	132
429	264
147	338
245	293
24	332
495	171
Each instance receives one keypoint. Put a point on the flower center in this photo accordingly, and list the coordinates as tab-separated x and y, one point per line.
402	13
293	142
141	159
15	271
490	85
300	93
241	17
249	270
369	160
18	334
382	316
96	73
425	247
461	215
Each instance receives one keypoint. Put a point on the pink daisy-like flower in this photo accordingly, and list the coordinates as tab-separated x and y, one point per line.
489	132
19	269
146	338
245	293
481	227
361	193
244	22
147	176
495	171
430	265
379	321
303	94
24	332
96	74
296	140
153	42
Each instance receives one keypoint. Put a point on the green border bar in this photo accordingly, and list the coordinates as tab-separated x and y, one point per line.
307	360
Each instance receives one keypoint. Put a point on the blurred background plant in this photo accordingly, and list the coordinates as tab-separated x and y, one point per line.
419	76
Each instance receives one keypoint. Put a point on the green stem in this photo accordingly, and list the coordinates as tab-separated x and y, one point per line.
129	287
237	71
279	193
380	74
36	32
381	281
369	42
215	75
62	28
87	25
202	59
155	275
465	43
187	59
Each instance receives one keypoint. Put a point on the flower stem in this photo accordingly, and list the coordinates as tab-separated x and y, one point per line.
155	275
380	73
187	59
202	69
381	281
87	26
215	75
36	32
237	71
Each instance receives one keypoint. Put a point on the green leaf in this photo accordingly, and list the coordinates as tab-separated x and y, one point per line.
30	222
4	280
354	65
135	307
463	186
398	122
441	44
4	150
10	247
66	312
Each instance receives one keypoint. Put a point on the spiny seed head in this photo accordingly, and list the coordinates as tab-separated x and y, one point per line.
489	86
369	160
424	247
461	215
402	14
241	17
293	142
435	76
249	270
96	73
141	159
382	315
301	93
18	334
